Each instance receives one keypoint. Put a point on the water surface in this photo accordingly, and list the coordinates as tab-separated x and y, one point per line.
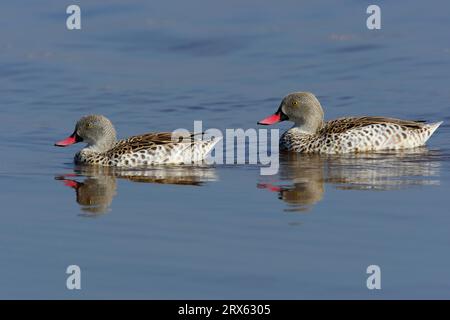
222	231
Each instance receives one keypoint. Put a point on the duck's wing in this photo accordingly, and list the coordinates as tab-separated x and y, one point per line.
152	140
342	125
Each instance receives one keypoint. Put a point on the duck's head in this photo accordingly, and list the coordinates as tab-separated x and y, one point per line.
95	130
303	108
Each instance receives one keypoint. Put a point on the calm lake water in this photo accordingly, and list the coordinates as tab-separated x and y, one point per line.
222	231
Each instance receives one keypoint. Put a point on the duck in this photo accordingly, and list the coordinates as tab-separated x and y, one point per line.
312	134
156	148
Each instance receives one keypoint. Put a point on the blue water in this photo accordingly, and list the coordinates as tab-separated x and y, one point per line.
222	231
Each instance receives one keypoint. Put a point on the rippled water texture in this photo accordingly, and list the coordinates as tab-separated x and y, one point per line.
222	231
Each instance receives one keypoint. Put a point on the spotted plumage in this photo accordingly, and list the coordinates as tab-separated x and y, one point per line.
148	149
311	134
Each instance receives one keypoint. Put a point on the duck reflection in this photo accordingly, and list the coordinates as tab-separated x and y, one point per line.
96	187
302	178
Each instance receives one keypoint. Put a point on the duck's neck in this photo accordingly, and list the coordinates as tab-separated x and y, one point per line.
102	145
308	127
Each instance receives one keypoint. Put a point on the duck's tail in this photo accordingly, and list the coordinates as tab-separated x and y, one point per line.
198	150
209	144
429	129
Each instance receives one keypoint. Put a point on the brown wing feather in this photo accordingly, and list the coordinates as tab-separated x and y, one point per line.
149	141
343	124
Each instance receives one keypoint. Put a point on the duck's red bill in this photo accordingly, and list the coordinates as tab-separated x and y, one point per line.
271	119
71	183
67	142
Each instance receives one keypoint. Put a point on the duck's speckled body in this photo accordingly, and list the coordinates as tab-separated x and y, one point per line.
311	134
148	149
359	134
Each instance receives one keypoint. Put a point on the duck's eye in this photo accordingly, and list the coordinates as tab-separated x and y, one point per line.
294	103
89	125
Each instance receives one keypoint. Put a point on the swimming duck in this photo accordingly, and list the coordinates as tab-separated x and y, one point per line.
104	149
311	133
